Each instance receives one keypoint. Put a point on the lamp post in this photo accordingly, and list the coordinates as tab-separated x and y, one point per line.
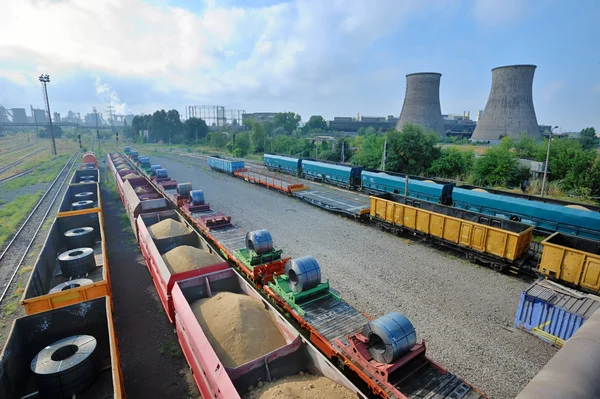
547	158
45	79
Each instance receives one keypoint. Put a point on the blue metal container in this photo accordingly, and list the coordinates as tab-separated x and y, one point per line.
225	165
553	312
545	217
283	164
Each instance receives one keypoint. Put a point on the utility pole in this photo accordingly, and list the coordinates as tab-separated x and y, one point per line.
45	79
547	159
384	157
343	150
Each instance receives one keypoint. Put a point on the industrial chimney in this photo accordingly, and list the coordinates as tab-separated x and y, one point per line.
509	110
422	102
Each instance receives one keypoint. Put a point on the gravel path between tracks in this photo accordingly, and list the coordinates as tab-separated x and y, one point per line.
464	312
151	359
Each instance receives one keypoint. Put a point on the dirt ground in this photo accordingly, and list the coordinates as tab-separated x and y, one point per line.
152	362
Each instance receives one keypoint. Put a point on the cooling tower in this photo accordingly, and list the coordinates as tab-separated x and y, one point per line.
509	110
422	102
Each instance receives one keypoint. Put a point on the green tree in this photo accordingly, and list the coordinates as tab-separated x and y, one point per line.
525	147
411	151
195	129
498	166
257	137
174	126
140	123
453	163
239	144
588	138
289	121
158	126
216	139
369	151
316	122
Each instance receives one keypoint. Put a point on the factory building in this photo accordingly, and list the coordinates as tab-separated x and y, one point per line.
260	117
19	115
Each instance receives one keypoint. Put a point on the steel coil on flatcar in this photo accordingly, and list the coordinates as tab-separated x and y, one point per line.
184	189
69	285
303	273
390	336
162	173
259	241
86	195
197	197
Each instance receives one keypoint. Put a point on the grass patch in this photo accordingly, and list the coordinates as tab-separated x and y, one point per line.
24	270
14	212
538	239
171	348
18	292
44	173
10	307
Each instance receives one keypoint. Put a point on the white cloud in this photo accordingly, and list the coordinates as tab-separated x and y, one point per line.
497	13
108	95
223	53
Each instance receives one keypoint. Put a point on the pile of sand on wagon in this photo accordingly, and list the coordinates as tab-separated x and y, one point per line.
121	167
130	176
141	190
183	258
238	327
300	386
168	228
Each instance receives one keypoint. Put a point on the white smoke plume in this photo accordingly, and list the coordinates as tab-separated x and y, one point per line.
108	95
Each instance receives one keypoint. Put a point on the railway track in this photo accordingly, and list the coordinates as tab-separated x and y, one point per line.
16	250
20	174
18	161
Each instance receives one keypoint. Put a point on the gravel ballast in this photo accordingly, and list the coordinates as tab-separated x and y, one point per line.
464	312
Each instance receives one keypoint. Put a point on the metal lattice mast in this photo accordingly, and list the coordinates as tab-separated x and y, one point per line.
45	79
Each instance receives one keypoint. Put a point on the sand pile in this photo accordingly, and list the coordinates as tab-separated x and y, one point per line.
183	258
301	386
168	228
121	167
130	176
141	190
238	327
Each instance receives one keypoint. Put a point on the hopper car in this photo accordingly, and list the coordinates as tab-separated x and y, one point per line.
348	338
547	216
224	165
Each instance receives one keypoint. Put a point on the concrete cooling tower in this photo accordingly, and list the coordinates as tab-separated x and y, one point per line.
509	110
422	102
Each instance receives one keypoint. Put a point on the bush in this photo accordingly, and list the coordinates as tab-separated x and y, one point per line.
498	166
453	164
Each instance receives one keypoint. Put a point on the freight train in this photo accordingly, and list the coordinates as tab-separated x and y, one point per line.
380	356
498	241
66	345
547	217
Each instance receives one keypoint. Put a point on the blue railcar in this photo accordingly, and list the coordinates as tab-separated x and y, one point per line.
283	164
225	165
344	176
379	182
547	218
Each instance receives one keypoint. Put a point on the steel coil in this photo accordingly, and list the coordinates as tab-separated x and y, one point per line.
259	241
82	205
69	285
81	237
162	173
90	165
390	336
197	197
77	262
66	367
87	179
303	273
183	189
153	169
87	195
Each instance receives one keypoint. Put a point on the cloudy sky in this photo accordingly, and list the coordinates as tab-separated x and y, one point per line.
327	57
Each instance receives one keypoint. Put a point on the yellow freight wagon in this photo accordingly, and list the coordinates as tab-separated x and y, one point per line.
496	237
573	260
